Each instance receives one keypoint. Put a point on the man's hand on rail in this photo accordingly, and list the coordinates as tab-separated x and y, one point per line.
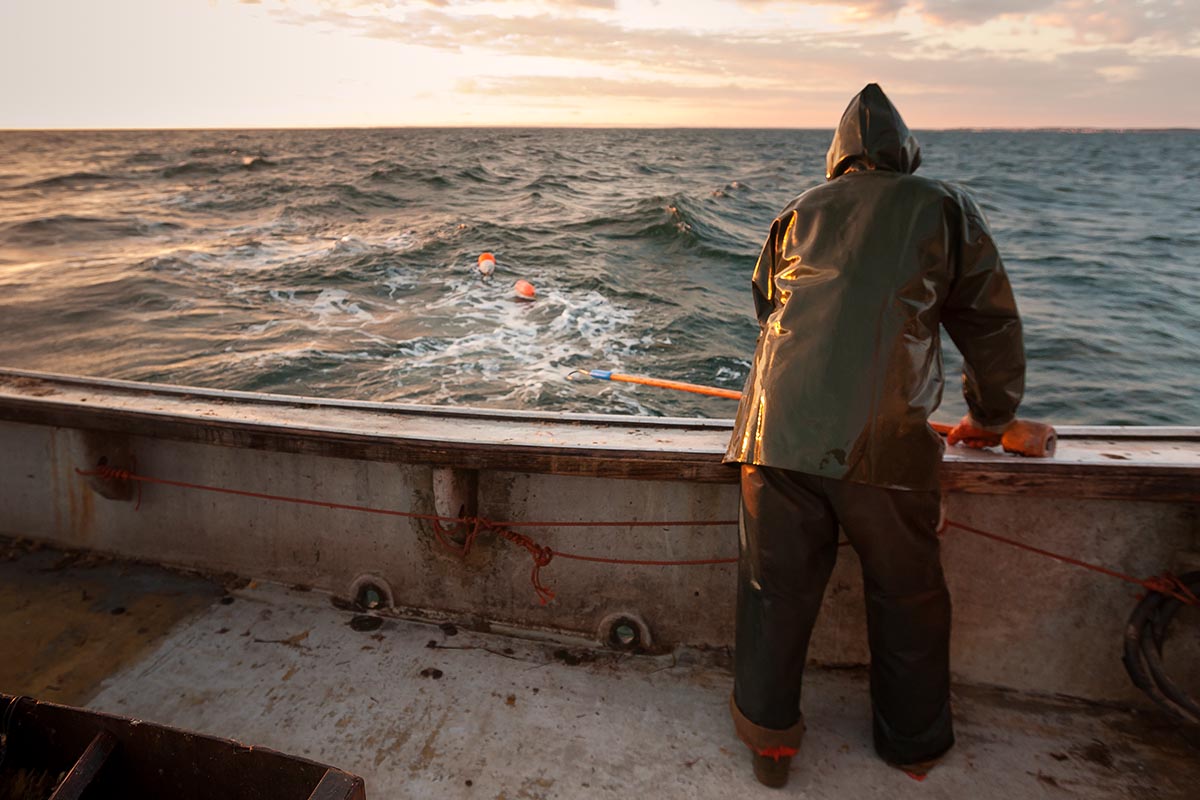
971	434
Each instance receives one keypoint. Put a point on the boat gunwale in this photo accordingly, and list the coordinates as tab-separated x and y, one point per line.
1115	432
966	471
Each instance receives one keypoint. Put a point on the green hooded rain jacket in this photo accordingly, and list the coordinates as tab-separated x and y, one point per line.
854	281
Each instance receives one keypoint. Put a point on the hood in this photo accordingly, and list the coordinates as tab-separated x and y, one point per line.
872	133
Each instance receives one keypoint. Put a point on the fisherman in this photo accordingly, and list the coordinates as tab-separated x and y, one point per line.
853	281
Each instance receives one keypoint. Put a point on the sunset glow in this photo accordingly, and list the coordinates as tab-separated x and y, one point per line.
729	63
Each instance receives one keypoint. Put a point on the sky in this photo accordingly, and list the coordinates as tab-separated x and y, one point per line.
701	63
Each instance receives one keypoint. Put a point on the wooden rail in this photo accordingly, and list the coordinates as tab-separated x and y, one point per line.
1094	462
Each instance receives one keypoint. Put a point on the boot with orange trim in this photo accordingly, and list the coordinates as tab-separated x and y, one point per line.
771	766
919	770
773	749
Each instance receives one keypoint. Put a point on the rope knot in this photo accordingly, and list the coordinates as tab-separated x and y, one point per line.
105	472
446	534
1171	586
541	554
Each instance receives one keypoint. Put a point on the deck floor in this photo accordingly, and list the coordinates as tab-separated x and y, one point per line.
421	710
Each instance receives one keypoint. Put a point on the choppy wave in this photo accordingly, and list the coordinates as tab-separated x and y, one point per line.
186	169
70	179
70	228
342	263
402	173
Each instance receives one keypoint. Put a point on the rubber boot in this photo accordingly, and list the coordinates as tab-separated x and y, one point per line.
772	749
772	770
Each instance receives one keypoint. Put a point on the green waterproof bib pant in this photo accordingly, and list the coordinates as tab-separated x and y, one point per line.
855	283
788	544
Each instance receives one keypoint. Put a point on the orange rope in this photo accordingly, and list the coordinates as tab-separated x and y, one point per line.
698	562
633	523
1166	584
474	526
111	473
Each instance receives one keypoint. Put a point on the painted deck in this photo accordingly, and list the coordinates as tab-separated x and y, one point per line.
422	709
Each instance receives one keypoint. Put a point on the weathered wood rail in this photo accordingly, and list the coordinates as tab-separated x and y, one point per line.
1160	463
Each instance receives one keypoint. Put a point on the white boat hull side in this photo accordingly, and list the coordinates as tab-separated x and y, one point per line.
1020	620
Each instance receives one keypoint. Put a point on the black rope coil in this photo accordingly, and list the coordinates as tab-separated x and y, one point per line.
1145	635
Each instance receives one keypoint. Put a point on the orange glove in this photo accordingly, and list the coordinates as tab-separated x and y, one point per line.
971	434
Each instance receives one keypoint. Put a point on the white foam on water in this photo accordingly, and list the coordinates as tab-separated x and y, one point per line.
261	327
418	348
333	308
726	373
288	356
521	344
332	303
376	338
397	281
348	244
353	243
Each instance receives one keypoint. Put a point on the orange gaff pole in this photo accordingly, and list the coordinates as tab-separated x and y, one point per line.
694	388
1023	437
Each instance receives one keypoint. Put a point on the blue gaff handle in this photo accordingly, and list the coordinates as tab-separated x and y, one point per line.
602	374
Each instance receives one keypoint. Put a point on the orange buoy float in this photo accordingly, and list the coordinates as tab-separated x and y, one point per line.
1027	438
524	289
487	264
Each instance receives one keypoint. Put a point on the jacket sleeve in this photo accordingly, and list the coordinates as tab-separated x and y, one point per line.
980	314
764	276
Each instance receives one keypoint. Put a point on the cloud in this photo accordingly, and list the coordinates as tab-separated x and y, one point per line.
975	12
608	5
1175	21
1130	20
945	11
1099	88
851	9
664	91
602	42
605	5
787	73
801	55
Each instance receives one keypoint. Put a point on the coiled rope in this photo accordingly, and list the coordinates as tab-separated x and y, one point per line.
1145	635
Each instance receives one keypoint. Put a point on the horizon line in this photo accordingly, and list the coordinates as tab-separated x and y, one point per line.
603	126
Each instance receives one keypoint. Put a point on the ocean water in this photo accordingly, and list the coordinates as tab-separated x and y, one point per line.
341	263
